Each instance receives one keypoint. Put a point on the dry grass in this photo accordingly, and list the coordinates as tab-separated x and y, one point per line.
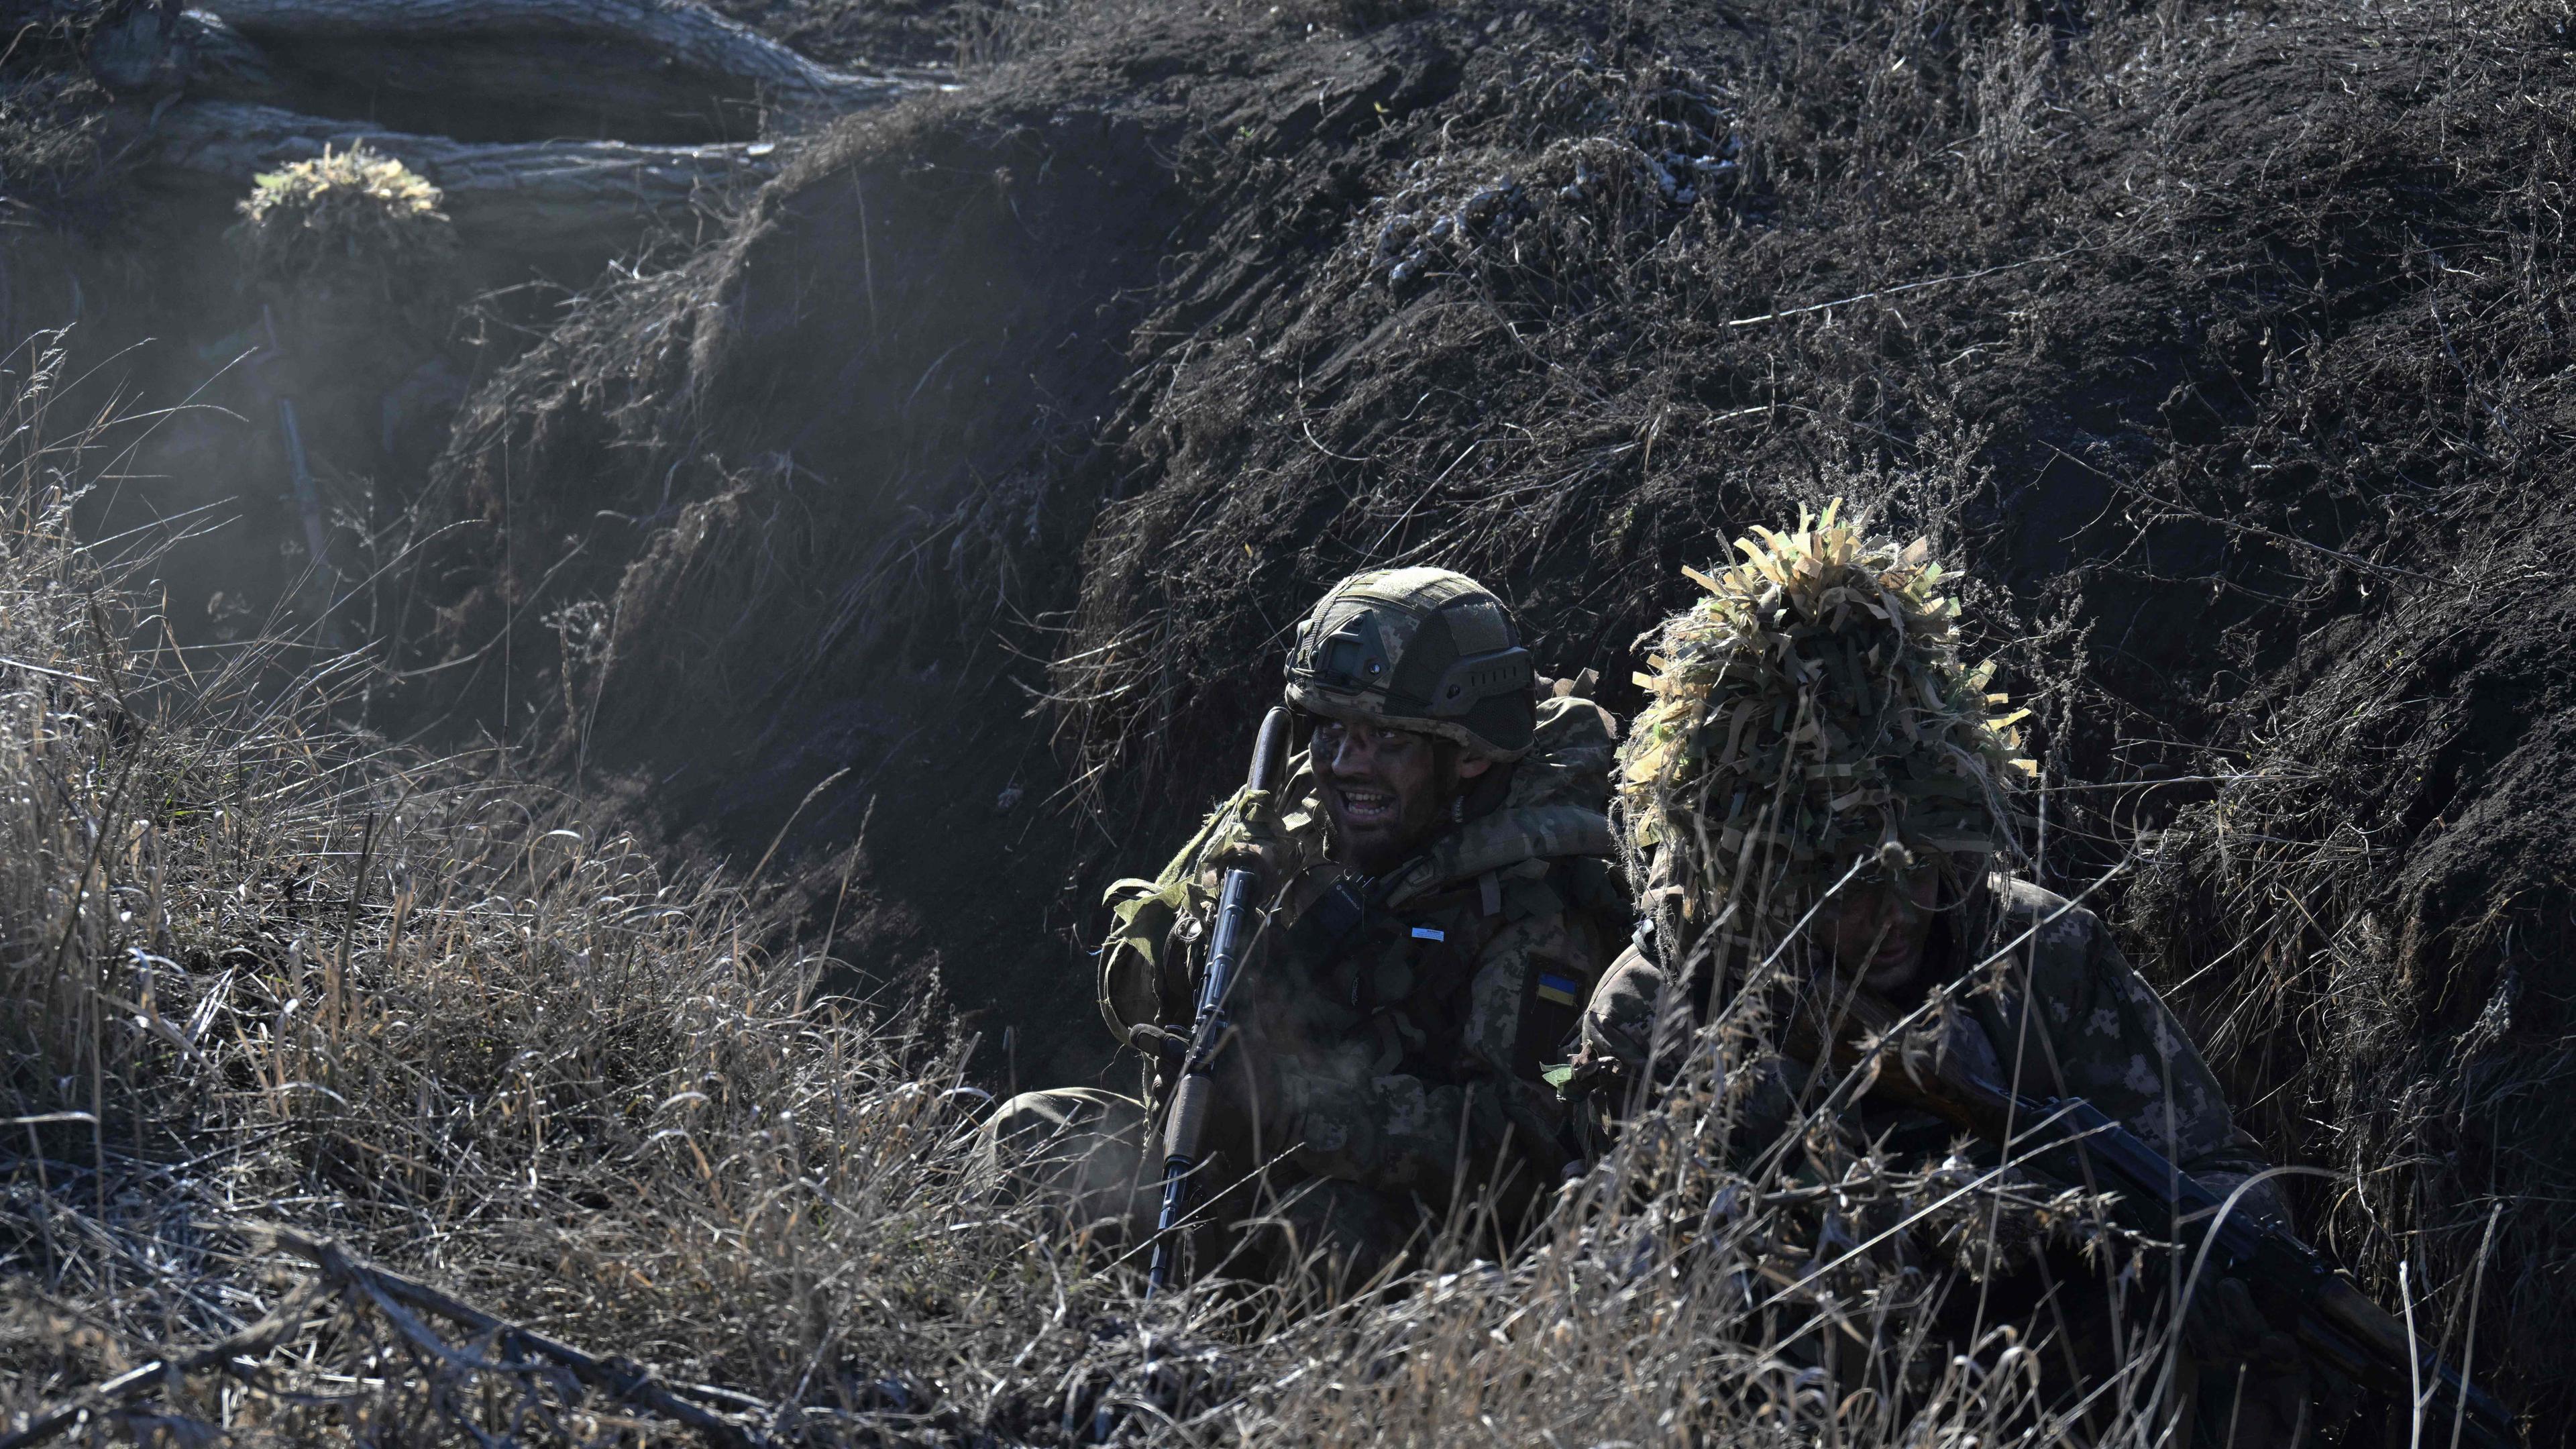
259	969
354	210
268	982
262	970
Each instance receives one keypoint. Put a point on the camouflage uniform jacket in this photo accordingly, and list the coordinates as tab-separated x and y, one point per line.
1393	1033
2100	1033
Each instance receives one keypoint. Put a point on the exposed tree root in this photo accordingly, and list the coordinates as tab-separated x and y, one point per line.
557	128
643	70
525	198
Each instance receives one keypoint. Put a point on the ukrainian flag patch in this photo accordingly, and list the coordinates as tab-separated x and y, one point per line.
1563	990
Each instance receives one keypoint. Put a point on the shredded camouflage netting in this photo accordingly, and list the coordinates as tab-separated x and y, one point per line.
1810	710
342	208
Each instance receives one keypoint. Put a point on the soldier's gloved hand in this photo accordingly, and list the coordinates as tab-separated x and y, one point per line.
1592	1074
2226	1329
1618	1026
1254	838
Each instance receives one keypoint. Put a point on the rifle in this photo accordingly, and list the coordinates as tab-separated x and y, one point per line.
2074	1141
1195	1087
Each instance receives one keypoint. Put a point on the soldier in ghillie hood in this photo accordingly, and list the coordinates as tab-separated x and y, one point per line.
1440	899
1820	793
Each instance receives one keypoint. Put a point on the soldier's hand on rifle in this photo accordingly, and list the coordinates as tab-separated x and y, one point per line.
2269	1385
2226	1329
1255	838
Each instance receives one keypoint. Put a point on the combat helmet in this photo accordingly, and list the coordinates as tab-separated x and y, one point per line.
1419	649
1808	712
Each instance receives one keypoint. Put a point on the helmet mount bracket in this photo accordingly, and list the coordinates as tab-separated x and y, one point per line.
1354	657
1479	676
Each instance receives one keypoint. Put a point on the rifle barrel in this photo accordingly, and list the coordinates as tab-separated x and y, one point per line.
2336	1321
1191	1094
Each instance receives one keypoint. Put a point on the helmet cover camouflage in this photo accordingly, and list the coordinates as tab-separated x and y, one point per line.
1811	710
1419	649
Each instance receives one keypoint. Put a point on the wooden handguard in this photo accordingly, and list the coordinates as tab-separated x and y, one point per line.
1188	1124
1237	904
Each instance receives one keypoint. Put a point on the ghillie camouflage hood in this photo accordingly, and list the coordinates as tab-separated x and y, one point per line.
352	211
1811	710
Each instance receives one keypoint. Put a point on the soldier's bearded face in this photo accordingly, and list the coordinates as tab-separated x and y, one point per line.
1381	790
1877	929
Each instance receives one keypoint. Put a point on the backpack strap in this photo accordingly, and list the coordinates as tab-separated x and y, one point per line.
1136	962
1144	975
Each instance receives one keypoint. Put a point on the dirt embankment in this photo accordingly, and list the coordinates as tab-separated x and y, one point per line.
796	525
991	458
924	533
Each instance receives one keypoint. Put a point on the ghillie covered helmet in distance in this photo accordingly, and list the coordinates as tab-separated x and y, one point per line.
354	215
1419	649
1810	710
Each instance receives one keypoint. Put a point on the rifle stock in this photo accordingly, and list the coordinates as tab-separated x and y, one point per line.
2076	1142
1186	1126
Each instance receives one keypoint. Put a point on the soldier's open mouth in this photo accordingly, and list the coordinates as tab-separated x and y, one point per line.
1365	807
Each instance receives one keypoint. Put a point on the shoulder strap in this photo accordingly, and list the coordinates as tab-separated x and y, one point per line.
1142	913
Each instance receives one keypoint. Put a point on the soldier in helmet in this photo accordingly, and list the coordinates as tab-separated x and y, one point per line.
1820	788
1443	901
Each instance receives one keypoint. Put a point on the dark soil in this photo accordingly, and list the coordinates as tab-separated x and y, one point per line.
930	540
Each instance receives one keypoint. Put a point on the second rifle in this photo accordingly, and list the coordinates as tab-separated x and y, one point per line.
2073	1141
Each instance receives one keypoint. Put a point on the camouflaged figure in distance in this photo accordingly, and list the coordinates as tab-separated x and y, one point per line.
1394	1029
